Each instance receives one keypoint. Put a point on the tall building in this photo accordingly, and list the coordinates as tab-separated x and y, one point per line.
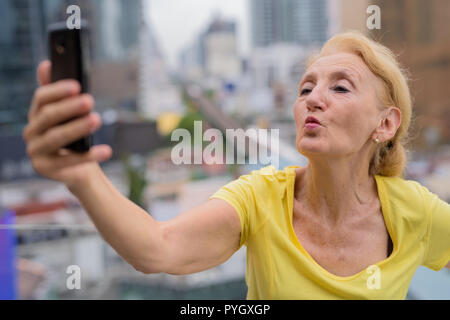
213	52
349	15
157	94
419	33
117	28
220	49
301	22
23	45
21	27
114	25
191	59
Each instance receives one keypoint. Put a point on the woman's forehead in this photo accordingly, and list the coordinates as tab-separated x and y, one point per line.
345	62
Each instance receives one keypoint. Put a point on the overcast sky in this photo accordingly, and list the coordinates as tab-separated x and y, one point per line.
177	23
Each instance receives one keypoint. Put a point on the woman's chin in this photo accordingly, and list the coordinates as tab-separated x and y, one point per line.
306	148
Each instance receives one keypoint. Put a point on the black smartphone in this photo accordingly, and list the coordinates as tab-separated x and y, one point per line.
69	55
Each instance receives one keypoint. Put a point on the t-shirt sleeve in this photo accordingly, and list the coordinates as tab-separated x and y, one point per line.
240	195
437	253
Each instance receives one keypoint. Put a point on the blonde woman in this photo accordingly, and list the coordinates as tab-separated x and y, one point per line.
346	226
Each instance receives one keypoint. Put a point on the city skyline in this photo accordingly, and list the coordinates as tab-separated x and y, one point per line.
174	34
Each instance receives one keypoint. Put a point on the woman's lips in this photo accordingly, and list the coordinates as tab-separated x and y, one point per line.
312	125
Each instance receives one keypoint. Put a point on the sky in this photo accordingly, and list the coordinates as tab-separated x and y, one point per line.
177	22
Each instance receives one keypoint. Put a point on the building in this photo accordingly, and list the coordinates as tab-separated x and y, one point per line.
114	27
21	26
23	45
212	53
191	59
220	50
301	22
116	33
279	63
283	34
157	93
418	32
348	15
117	29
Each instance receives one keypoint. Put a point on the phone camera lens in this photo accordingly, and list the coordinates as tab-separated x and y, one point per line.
60	49
60	45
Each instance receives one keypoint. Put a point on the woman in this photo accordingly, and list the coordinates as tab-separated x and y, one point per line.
347	226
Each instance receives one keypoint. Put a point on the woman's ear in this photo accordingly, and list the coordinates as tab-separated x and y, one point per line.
390	123
395	118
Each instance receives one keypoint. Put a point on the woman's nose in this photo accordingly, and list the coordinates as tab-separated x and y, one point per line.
315	99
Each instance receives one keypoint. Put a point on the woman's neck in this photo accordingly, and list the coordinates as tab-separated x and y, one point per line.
335	192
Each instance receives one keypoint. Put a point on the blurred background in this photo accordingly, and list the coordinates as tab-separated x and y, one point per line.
158	65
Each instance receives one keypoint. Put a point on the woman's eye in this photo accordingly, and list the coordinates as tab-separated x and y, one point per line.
304	91
340	89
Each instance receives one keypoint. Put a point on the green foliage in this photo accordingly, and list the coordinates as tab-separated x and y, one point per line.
137	181
187	122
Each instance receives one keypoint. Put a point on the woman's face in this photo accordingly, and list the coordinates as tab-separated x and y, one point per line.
340	91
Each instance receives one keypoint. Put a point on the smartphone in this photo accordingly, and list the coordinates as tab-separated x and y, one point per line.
69	55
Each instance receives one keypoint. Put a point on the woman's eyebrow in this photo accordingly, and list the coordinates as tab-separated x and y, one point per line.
343	74
338	74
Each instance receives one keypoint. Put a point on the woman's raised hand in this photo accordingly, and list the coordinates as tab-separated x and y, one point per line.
46	136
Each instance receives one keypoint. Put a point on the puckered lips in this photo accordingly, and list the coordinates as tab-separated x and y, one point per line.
312	123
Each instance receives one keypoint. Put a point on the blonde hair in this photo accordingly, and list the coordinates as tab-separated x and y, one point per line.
390	157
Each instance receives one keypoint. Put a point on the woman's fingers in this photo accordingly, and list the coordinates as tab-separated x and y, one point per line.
50	93
44	78
57	113
62	135
52	163
97	153
58	116
44	72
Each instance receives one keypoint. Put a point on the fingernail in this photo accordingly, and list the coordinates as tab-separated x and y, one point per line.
93	118
86	100
95	121
72	87
101	152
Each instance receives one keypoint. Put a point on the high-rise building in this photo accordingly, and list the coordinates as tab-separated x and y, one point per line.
20	51
419	33
157	94
349	15
214	52
191	59
114	25
302	22
220	49
23	45
117	27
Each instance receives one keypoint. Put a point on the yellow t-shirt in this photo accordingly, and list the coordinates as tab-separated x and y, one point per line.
278	267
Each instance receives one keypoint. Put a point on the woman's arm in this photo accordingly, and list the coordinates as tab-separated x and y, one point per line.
198	239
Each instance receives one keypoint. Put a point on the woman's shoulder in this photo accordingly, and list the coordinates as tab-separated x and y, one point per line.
271	174
407	196
402	186
272	171
269	178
